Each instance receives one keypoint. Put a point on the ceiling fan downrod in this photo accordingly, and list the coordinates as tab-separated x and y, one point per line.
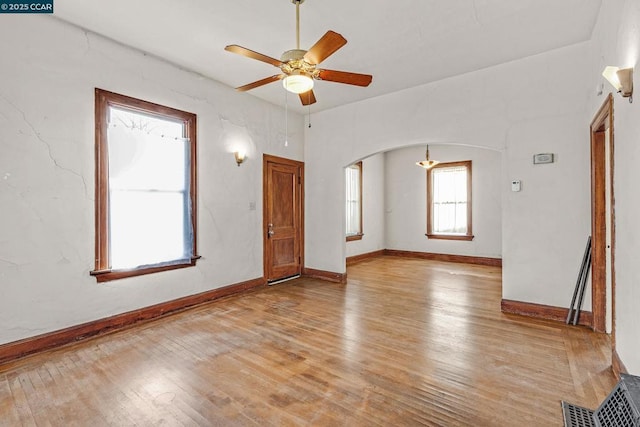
297	3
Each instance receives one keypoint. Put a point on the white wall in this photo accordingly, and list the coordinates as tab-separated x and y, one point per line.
616	41
534	105
49	72
406	206
373	179
547	224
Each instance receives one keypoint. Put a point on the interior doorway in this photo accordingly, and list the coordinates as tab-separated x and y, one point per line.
283	217
603	220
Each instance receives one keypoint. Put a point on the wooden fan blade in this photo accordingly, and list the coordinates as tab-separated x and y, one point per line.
308	98
234	48
260	83
345	77
324	47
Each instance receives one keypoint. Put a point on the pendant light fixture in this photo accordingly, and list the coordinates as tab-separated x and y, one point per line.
427	163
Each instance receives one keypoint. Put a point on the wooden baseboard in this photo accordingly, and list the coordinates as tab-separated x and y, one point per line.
363	257
617	365
17	349
541	311
329	276
494	262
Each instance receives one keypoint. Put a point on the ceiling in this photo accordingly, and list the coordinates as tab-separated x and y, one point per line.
402	43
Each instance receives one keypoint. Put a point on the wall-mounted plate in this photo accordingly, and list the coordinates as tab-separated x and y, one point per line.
543	158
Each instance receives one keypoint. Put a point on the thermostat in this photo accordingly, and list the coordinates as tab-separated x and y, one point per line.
542	158
515	185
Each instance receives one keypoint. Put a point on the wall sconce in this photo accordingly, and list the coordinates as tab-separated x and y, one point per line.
622	80
240	157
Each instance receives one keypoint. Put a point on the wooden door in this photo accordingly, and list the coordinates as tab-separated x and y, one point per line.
598	231
603	221
283	217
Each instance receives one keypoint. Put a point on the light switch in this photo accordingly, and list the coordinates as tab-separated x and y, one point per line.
516	185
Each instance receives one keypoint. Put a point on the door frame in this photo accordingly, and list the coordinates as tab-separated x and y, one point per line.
268	158
602	120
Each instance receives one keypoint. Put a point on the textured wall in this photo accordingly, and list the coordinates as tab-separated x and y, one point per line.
49	72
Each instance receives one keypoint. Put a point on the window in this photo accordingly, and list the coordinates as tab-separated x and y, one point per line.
449	201
145	187
354	201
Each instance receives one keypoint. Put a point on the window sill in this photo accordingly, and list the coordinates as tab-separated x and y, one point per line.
450	237
108	275
355	237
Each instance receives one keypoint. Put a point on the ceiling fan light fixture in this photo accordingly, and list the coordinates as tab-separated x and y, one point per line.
298	83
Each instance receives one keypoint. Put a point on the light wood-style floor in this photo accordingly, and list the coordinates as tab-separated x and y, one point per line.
406	342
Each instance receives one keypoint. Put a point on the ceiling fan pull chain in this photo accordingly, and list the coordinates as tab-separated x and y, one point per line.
286	119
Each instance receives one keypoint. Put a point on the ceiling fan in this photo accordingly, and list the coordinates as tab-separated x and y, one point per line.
300	67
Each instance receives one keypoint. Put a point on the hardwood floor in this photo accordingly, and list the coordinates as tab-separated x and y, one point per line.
404	342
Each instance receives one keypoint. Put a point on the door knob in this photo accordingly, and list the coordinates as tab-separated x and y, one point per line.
270	231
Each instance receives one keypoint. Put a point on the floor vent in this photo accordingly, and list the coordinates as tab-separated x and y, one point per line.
620	409
577	416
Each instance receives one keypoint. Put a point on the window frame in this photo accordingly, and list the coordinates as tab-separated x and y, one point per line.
357	236
103	101
444	236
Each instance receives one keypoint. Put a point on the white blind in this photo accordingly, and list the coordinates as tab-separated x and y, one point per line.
449	200
353	200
